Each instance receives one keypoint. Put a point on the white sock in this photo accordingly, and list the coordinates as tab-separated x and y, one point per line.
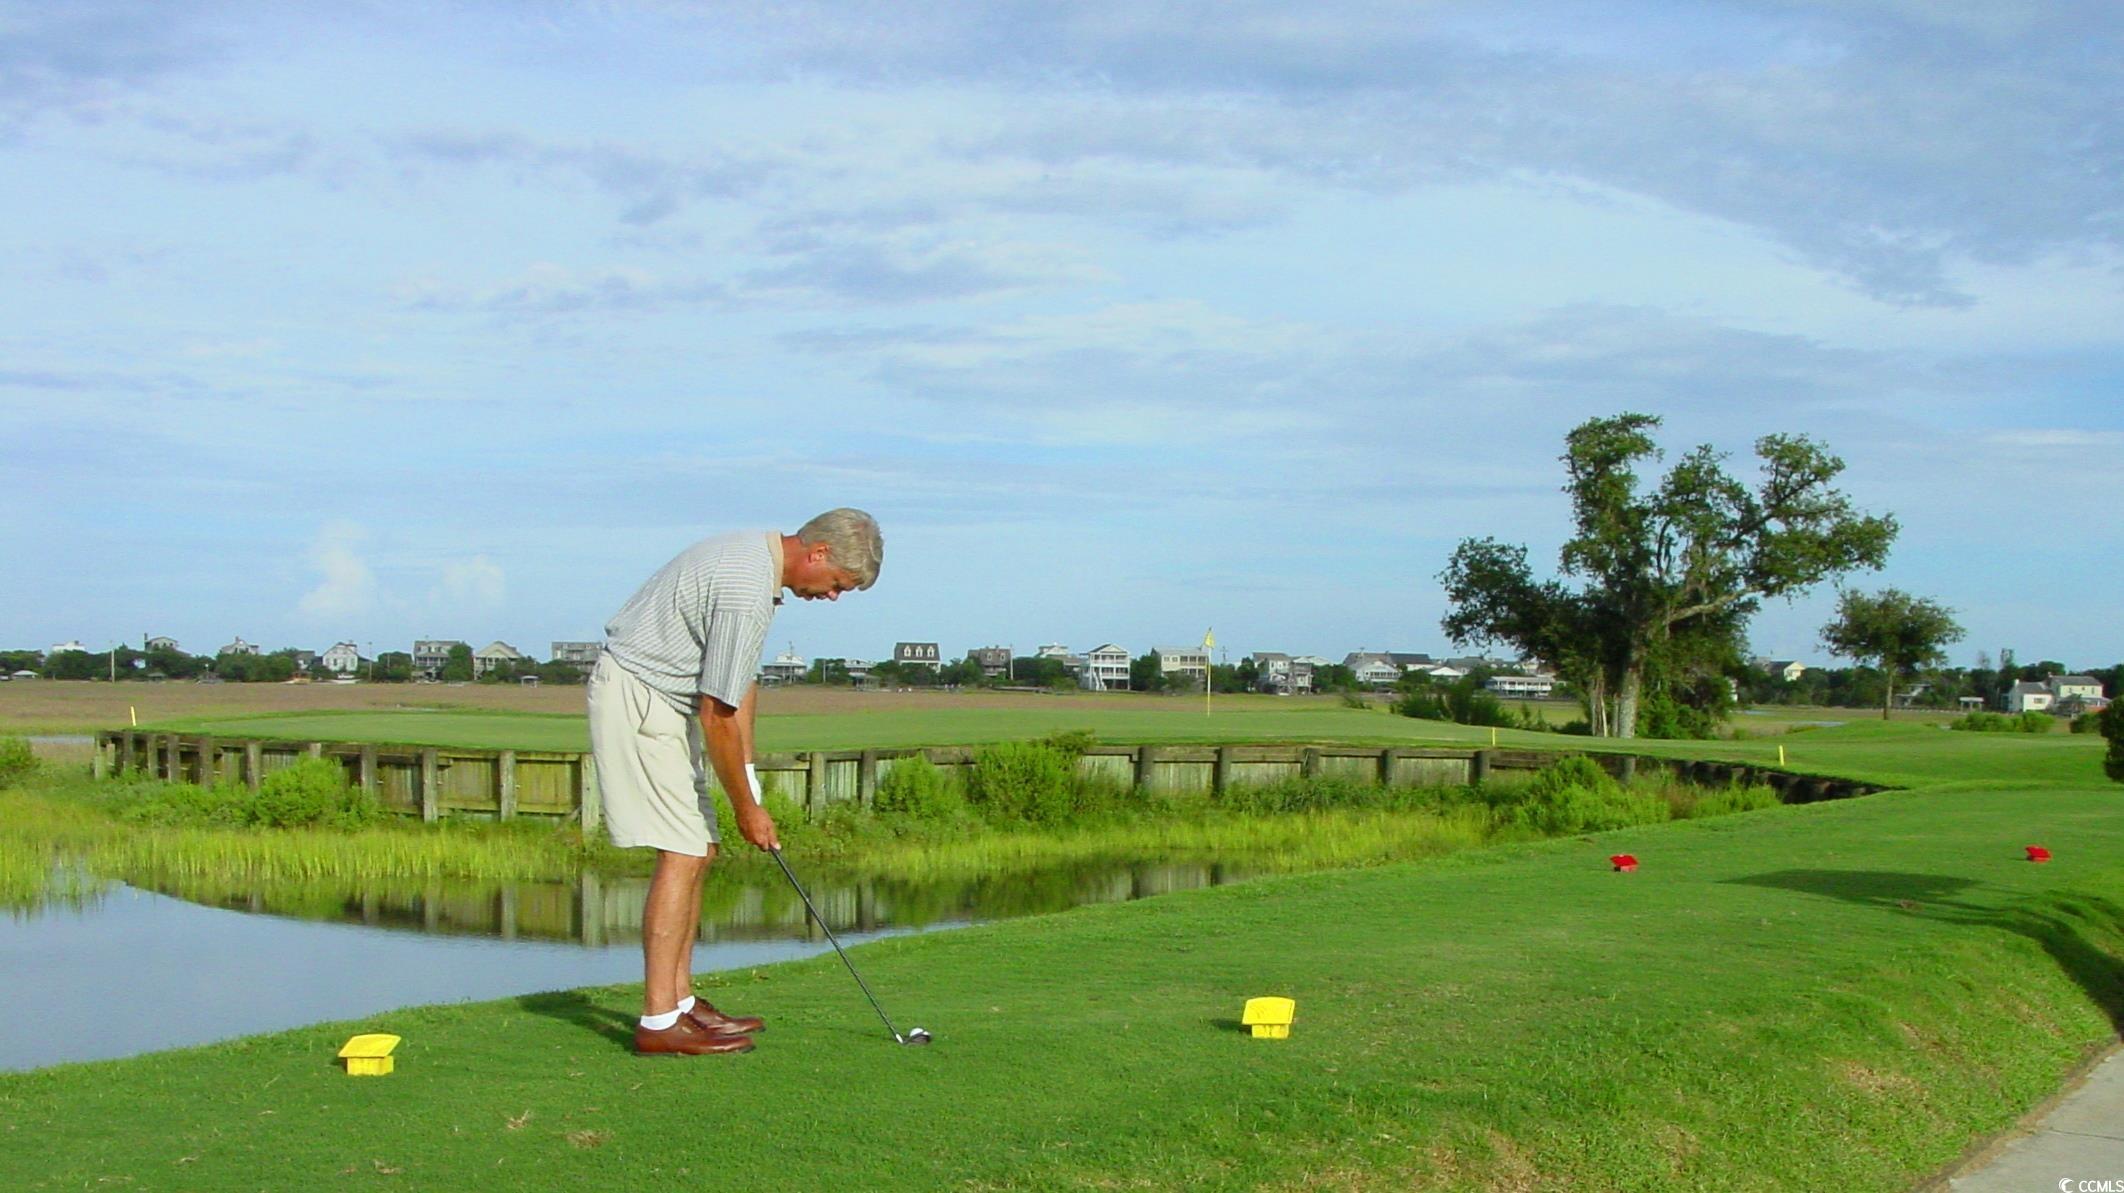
685	1004
660	1022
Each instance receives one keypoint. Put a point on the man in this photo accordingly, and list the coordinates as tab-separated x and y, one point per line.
671	701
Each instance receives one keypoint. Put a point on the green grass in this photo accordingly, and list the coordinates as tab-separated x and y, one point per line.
1834	996
1842	995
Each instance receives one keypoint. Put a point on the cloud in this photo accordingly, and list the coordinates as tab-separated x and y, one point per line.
348	587
474	585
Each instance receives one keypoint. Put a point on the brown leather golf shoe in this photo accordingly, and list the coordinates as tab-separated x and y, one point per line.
686	1038
715	1021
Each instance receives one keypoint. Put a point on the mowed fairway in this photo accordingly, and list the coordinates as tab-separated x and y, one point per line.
1840	995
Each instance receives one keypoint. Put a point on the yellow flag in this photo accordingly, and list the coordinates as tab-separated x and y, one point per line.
1209	638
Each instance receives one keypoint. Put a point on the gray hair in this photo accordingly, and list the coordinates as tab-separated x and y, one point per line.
852	536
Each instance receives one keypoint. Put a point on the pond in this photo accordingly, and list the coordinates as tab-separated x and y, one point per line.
120	970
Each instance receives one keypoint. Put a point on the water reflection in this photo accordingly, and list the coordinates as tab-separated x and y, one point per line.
598	910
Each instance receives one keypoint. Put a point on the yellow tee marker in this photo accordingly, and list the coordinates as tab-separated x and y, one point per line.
1270	1018
369	1055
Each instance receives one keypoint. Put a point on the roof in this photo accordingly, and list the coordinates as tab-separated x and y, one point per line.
2081	680
2029	687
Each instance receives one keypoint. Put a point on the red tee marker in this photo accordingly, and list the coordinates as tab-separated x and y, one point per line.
2036	853
1624	863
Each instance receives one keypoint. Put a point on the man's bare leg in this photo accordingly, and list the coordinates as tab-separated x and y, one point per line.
670	916
682	978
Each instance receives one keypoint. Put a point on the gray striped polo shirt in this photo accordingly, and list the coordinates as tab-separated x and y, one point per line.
697	626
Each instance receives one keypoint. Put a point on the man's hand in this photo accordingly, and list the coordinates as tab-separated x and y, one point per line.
755	825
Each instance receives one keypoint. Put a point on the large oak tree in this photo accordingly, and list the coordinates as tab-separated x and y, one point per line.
1688	558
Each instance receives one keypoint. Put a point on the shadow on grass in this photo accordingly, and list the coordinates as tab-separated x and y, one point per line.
573	1007
2080	932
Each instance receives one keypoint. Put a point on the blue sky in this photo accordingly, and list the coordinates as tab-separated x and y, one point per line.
1126	320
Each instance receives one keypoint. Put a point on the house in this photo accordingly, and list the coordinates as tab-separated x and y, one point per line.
495	654
1788	670
1105	669
1281	674
342	658
2077	693
1525	687
915	654
430	655
1181	660
63	647
1372	669
1053	650
1411	662
158	642
993	660
787	667
303	659
239	646
2029	696
578	654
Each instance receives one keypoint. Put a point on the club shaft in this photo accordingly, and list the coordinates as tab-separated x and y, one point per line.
821	922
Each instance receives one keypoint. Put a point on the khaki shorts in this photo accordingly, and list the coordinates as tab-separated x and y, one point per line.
650	769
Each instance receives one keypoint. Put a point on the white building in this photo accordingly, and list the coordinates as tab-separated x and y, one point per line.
63	647
1053	650
1281	674
1105	669
1372	669
916	654
580	654
1525	687
343	658
239	646
1182	660
158	642
2084	690
430	655
787	667
2029	696
492	655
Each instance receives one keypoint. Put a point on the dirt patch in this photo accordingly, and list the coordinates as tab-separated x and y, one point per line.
1878	1083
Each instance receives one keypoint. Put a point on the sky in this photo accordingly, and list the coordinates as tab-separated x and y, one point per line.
379	321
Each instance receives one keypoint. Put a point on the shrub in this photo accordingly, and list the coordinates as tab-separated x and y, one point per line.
1022	781
916	789
1575	795
2087	722
2113	729
1993	722
17	762
314	791
181	805
1355	700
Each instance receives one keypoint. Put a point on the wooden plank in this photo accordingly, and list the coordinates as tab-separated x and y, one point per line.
1146	761
430	784
100	761
1222	777
366	775
589	802
867	778
815	784
253	764
505	783
1479	770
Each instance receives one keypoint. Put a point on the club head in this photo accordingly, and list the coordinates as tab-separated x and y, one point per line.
915	1035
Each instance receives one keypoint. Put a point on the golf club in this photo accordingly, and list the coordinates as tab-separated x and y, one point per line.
915	1035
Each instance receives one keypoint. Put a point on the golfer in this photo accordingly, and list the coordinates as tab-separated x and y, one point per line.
671	700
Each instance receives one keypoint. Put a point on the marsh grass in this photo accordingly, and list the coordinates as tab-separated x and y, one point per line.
177	837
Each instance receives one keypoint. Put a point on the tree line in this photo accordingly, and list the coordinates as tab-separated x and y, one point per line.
279	666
